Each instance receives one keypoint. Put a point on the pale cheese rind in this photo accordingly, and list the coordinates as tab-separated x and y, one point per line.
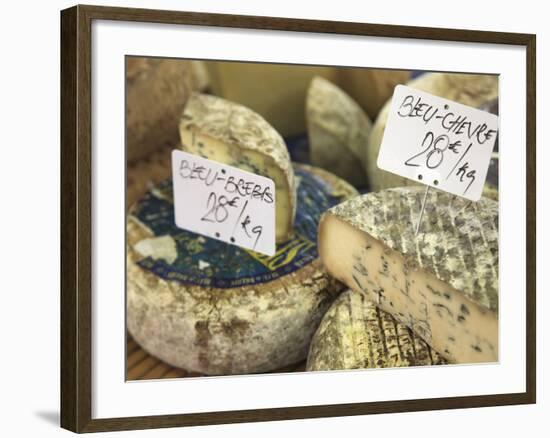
156	92
355	334
442	283
371	87
227	132
338	131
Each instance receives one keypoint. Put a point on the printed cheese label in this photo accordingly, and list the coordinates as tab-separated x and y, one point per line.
438	142
224	202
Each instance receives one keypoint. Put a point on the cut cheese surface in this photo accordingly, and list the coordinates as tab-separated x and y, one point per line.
442	283
338	131
467	89
354	334
213	308
226	132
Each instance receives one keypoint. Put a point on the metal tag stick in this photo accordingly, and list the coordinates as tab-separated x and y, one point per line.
422	210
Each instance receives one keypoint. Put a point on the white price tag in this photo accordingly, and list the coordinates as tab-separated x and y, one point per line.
438	142
223	202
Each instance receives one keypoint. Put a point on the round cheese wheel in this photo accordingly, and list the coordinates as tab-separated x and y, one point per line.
468	89
355	334
214	308
156	92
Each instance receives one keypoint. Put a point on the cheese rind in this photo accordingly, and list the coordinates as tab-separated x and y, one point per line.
355	334
442	283
219	309
229	133
156	92
490	189
467	89
370	87
338	131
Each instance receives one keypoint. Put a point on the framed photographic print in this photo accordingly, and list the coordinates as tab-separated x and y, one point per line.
267	218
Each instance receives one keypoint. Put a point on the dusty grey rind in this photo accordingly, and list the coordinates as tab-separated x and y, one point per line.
338	131
442	283
156	92
355	334
458	242
467	89
243	330
239	126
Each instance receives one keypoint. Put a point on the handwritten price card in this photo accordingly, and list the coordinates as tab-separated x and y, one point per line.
223	202
438	142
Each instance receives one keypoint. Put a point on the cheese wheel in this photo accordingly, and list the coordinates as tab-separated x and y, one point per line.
370	87
338	131
205	306
229	133
156	92
467	89
355	334
441	283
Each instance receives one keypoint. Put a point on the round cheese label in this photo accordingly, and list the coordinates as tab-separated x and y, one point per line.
175	254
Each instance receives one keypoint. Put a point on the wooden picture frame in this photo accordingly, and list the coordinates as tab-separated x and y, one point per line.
76	217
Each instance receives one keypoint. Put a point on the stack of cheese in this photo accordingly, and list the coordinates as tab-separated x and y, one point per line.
441	284
214	308
413	300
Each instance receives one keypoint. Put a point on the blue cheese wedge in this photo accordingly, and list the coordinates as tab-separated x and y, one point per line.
232	134
354	334
442	283
338	131
213	308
